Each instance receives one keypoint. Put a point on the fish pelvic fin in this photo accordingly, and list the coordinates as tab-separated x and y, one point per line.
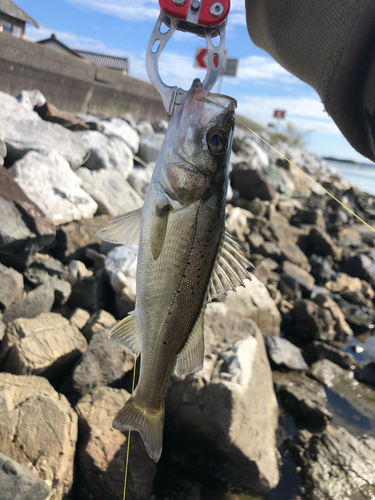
125	333
148	422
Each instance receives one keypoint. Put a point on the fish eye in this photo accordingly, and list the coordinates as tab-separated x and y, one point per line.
217	140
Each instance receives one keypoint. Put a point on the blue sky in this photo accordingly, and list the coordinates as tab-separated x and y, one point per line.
123	28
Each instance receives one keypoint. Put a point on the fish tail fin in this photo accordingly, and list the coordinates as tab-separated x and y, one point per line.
148	422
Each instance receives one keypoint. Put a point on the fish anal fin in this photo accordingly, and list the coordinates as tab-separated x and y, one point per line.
125	333
148	422
191	357
230	268
159	230
124	229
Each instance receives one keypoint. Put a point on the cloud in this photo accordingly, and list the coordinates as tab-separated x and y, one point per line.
264	68
138	10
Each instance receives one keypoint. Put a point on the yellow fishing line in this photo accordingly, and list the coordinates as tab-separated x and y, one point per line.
128	450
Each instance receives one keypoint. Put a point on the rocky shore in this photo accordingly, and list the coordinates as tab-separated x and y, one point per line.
284	408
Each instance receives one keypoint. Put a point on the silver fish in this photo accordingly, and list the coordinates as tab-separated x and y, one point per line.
186	256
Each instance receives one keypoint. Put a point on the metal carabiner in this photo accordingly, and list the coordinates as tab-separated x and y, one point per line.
215	59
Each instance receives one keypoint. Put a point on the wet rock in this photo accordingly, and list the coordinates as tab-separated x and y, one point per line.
61	198
295	277
104	363
329	374
303	396
39	430
79	318
341	327
46	345
320	350
334	453
320	243
212	404
18	483
312	321
284	355
359	266
251	183
99	321
365	372
321	269
40	300
121	128
150	146
24	228
11	286
102	450
110	190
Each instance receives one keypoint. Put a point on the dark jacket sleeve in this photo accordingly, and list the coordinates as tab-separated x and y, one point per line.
329	44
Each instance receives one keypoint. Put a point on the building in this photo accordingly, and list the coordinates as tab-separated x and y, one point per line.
13	19
112	62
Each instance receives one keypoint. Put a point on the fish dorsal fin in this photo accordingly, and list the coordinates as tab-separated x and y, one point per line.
123	230
191	357
125	333
230	268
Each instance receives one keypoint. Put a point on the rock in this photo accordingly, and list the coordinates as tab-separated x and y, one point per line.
11	286
359	266
293	278
319	242
40	300
251	183
46	345
294	254
3	149
24	228
91	293
231	405
308	216
97	258
144	127
321	269
349	237
99	321
102	450
329	374
342	329
39	430
104	363
18	483
312	321
320	350
24	131
303	396
344	284
63	289
271	250
77	271
2	328
42	268
236	222
79	318
150	146
359	318
365	372
73	239
284	355
279	179
110	190
30	98
140	179
285	233
61	198
121	266
334	453
120	128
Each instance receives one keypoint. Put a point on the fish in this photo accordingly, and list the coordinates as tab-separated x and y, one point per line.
186	256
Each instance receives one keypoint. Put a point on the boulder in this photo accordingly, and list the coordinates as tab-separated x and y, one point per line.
24	228
330	374
342	329
140	179
99	321
119	127
320	350
359	318
303	396
144	127
30	98
102	450
92	293
294	254
230	407
24	131
294	278
320	243
19	483
2	328
251	183
283	355
334	453
150	146
121	267
3	150
321	269
38	429
42	268
79	318
312	321
77	271
236	222
359	266
11	286
49	181
46	345
365	372
63	289
279	179
40	300
110	190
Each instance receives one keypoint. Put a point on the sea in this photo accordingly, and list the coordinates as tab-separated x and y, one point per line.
359	174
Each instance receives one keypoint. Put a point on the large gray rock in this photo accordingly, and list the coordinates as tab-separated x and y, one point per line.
330	374
320	350
140	179
49	181
31	98
295	278
38	429
365	372
319	242
312	321
18	483
99	321
251	183
232	406
150	146
122	129
110	190
284	355
342	330
23	131
11	286
46	345
102	450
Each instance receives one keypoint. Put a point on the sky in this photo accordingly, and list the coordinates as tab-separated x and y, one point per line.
124	27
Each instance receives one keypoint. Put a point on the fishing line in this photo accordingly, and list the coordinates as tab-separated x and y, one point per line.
128	450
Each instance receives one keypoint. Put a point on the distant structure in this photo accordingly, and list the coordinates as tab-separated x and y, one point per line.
13	19
112	62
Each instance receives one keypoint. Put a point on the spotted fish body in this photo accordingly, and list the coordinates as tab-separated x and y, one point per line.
186	257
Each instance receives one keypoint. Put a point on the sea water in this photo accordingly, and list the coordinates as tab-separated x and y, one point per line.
361	175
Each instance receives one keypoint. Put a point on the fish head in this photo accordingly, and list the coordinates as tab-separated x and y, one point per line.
197	146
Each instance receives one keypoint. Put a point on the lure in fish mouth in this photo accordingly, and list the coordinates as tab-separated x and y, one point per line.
186	256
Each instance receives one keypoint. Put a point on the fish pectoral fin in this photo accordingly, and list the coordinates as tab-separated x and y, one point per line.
149	424
159	229
230	268
190	359
125	333
124	229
